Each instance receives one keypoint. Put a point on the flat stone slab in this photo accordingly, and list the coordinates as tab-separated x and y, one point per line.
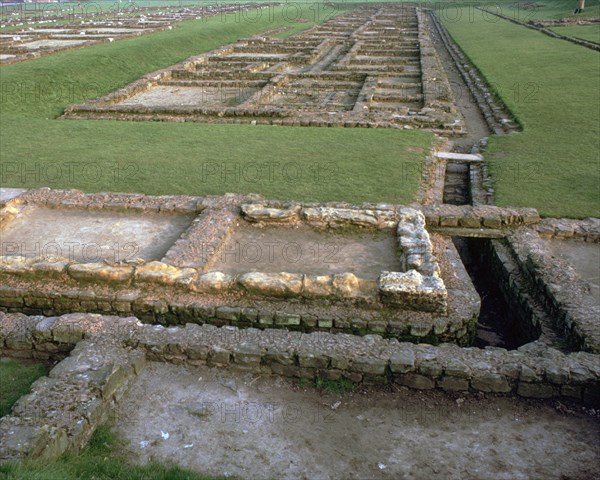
464	157
7	194
86	236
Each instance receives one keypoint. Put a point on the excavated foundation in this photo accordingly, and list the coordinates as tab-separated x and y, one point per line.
374	66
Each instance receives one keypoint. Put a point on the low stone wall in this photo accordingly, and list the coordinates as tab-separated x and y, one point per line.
587	230
534	370
63	409
541	27
477	217
560	289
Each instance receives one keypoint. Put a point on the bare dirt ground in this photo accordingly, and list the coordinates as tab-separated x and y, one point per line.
91	237
242	425
206	97
585	259
306	250
474	121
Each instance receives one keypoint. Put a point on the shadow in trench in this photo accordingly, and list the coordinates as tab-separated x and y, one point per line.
497	325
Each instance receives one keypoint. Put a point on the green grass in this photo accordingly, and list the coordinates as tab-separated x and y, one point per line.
15	381
311	164
585	32
101	460
341	386
553	88
542	9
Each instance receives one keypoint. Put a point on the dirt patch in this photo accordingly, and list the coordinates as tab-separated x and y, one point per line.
306	250
86	236
38	44
168	96
584	257
232	424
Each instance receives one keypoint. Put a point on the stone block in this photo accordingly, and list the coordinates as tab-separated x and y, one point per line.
535	390
413	380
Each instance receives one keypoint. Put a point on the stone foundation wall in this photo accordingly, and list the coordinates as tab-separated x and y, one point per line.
541	27
587	230
560	290
326	76
106	354
63	409
414	304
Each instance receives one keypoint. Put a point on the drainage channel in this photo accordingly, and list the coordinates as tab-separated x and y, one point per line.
498	325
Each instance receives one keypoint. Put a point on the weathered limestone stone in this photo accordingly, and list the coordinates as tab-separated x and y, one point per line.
50	267
431	368
557	375
287	319
325	323
272	284
228	313
100	271
218	355
453	384
402	361
456	368
212	282
43	330
414	380
346	285
317	286
571	391
345	216
256	213
265	319
413	291
369	365
528	375
486	381
163	273
247	354
307	359
535	390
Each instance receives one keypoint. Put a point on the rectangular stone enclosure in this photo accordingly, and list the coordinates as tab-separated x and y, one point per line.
234	260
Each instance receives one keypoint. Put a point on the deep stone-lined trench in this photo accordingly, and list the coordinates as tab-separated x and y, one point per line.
497	325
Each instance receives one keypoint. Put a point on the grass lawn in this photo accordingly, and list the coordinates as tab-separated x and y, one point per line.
315	164
585	32
101	460
527	10
15	380
553	88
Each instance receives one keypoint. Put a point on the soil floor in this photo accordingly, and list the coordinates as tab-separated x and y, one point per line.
306	250
91	237
244	425
585	259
